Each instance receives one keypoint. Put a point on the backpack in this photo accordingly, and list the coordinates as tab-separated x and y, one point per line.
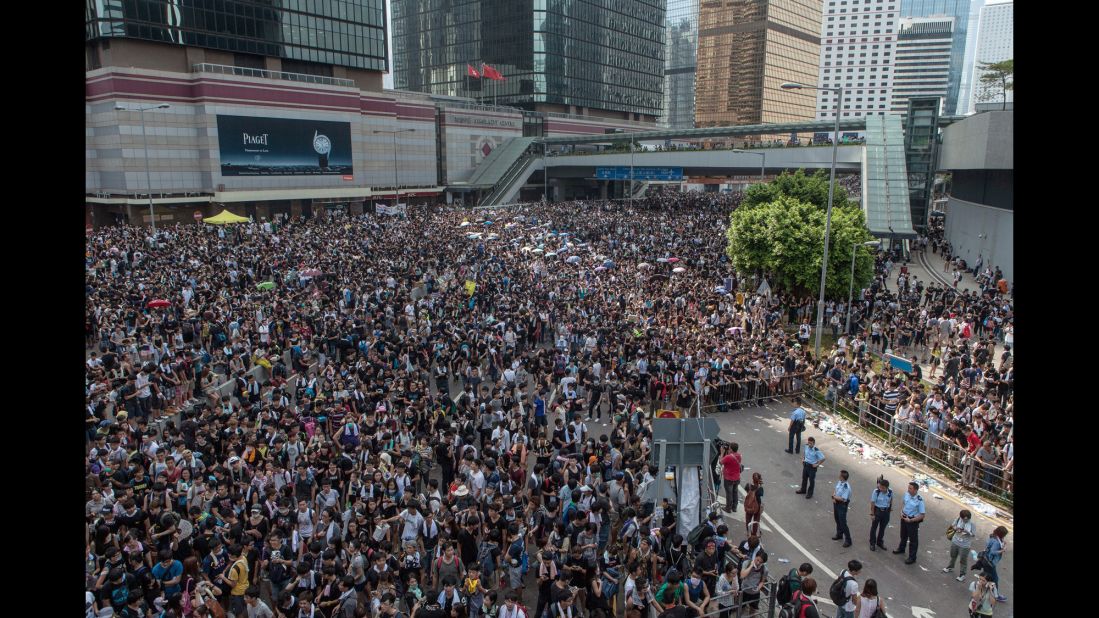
751	503
634	539
795	607
698	533
837	592
610	583
785	588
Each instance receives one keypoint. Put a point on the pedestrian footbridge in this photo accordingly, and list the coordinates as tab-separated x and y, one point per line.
880	162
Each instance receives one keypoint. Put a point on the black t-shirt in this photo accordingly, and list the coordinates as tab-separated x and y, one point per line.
679	611
133	522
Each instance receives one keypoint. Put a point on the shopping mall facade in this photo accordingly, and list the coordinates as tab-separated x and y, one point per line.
233	124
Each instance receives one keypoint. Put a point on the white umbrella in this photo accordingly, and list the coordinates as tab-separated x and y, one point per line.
679	269
493	236
662	260
600	257
575	259
644	265
551	254
464	224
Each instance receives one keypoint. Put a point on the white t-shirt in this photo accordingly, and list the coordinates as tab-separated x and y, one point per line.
477	482
852	591
412	523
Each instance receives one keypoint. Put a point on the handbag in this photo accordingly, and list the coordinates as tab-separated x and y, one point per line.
950	531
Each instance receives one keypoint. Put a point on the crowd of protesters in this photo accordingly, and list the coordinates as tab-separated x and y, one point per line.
456	409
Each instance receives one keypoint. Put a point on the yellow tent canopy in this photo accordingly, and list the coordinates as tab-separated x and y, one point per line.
226	217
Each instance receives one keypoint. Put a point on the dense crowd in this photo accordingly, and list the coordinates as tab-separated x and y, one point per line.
960	409
456	408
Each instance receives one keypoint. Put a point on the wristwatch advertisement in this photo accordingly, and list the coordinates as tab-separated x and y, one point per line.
323	146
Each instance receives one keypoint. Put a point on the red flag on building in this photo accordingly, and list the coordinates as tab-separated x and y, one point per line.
492	73
472	72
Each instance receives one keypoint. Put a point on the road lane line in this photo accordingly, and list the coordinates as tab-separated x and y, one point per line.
812	558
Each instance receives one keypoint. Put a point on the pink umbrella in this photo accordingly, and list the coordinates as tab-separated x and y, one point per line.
158	304
673	260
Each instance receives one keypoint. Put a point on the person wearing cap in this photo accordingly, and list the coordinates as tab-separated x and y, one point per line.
797	426
911	516
813	459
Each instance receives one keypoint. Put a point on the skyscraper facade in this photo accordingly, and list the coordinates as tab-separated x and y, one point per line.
346	33
965	93
557	55
995	43
959	10
922	61
858	40
747	50
681	64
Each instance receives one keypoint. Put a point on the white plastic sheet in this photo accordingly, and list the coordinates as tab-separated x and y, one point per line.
689	499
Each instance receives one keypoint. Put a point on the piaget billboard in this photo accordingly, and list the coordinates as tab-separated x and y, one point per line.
252	146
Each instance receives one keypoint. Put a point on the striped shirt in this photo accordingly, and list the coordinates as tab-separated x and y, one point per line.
892	398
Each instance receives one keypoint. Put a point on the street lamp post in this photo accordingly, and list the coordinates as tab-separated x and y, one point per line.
828	215
394	133
851	287
145	142
762	163
545	173
630	185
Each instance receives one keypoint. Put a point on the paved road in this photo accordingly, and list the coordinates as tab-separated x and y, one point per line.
800	530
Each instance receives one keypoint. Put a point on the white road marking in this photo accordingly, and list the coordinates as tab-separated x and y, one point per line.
922	612
812	558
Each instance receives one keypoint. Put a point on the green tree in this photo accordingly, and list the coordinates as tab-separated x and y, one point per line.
784	239
998	78
809	188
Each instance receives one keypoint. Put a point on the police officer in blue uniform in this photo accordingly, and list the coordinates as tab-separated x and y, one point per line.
881	505
797	425
911	516
841	498
813	459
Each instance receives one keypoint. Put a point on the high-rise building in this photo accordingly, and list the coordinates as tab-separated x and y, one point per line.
681	64
577	56
922	61
344	40
965	92
995	43
858	40
747	49
959	10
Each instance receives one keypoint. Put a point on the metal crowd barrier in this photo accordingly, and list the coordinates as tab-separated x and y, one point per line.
741	393
987	479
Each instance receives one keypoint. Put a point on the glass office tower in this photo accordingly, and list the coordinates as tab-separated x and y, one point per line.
746	51
347	33
557	55
959	10
681	65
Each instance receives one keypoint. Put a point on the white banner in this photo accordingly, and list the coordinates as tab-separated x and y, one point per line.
385	209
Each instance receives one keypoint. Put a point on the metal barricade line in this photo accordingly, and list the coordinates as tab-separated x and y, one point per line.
915	440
